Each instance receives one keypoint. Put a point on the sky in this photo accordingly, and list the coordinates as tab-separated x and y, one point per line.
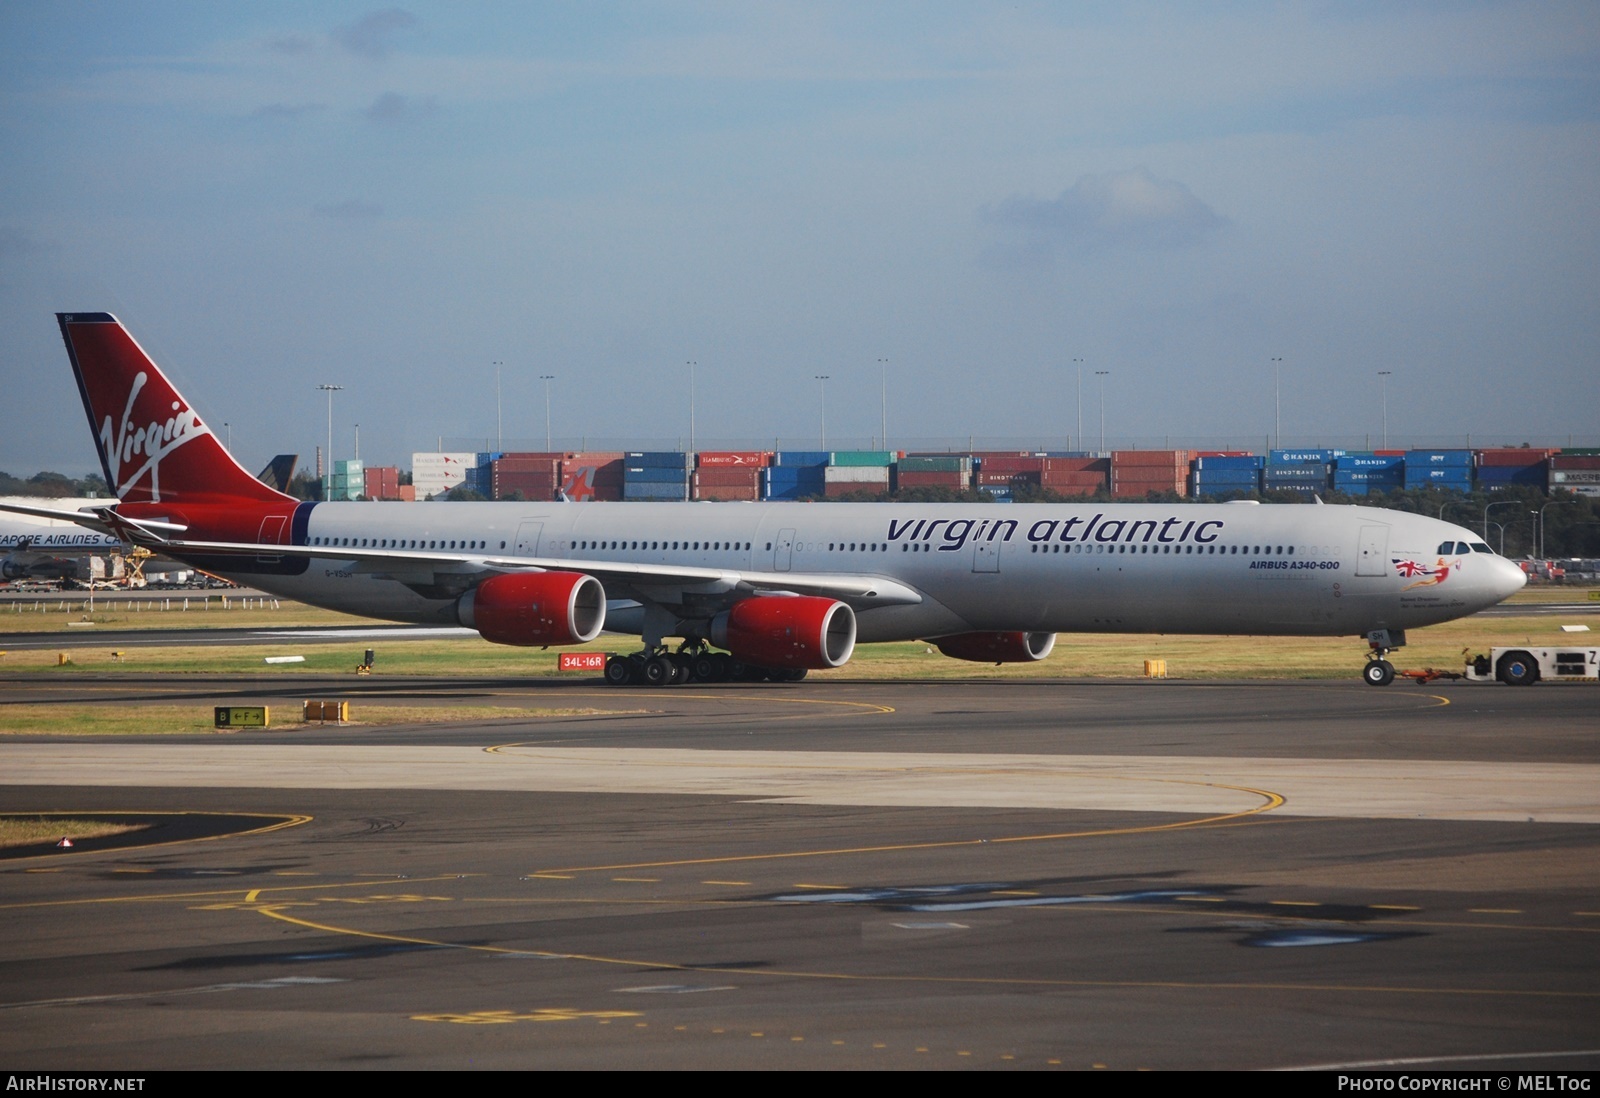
1242	213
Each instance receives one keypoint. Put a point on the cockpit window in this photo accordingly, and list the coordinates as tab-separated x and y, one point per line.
1480	547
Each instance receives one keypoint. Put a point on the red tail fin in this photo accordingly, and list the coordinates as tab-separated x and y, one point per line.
153	446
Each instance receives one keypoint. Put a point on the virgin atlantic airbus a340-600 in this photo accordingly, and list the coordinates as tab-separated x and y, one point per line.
768	590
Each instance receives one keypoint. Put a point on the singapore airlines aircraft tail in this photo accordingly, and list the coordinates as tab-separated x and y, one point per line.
783	588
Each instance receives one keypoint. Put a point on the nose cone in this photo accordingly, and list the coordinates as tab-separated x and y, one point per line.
1505	578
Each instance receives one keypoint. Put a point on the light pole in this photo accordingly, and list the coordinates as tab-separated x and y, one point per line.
883	399
330	390
1277	404
1552	503
822	433
547	379
1486	510
1101	374
1384	384
498	443
1078	362
691	364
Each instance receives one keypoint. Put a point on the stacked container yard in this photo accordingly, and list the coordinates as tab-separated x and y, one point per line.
1447	469
729	474
1136	473
346	482
1075	474
592	475
852	472
1004	476
952	471
1365	474
1302	471
1225	473
1502	468
795	474
655	475
381	482
533	476
435	474
1576	471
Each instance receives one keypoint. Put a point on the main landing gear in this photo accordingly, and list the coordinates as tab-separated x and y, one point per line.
1379	671
690	663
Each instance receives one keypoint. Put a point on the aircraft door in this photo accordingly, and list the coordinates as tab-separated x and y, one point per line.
986	556
271	534
528	539
782	554
1373	548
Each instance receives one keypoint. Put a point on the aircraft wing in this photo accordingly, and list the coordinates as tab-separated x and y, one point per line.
623	579
104	520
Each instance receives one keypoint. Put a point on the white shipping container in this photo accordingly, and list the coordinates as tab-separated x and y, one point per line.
856	474
435	474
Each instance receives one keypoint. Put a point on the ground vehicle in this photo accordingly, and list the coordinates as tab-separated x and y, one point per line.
1527	665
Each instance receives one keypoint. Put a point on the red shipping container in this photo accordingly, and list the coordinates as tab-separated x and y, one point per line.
727	493
529	455
866	488
725	477
1020	479
1012	465
1077	465
1566	462
1087	479
753	459
407	493
1166	459
1512	457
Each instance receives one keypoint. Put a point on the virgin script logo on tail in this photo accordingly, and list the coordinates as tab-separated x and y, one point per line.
127	442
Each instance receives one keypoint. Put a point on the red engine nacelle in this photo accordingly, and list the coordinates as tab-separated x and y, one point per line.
535	608
787	631
997	647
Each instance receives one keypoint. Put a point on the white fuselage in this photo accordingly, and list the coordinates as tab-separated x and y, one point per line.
1175	568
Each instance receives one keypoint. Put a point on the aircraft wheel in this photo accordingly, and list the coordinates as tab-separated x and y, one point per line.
619	671
1378	673
789	674
657	672
706	668
1517	669
682	670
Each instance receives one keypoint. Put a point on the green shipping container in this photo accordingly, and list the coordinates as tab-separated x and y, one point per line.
860	458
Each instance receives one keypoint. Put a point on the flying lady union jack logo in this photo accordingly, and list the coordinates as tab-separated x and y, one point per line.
1423	575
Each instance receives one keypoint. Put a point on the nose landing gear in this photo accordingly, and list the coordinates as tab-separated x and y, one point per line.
1379	671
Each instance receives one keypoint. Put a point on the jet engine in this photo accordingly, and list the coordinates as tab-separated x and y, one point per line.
787	631
535	608
997	647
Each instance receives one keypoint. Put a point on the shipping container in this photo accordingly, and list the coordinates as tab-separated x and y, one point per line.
860	474
1159	459
1418	459
847	458
1516	456
726	476
744	459
656	490
657	459
801	458
1302	457
916	463
1230	462
728	493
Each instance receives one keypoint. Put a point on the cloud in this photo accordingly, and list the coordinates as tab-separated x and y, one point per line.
287	110
292	44
16	244
369	36
1128	209
351	209
394	107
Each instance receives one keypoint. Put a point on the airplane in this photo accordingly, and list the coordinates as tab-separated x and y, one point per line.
38	548
778	588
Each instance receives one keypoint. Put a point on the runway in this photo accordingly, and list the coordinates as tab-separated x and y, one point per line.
1050	875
